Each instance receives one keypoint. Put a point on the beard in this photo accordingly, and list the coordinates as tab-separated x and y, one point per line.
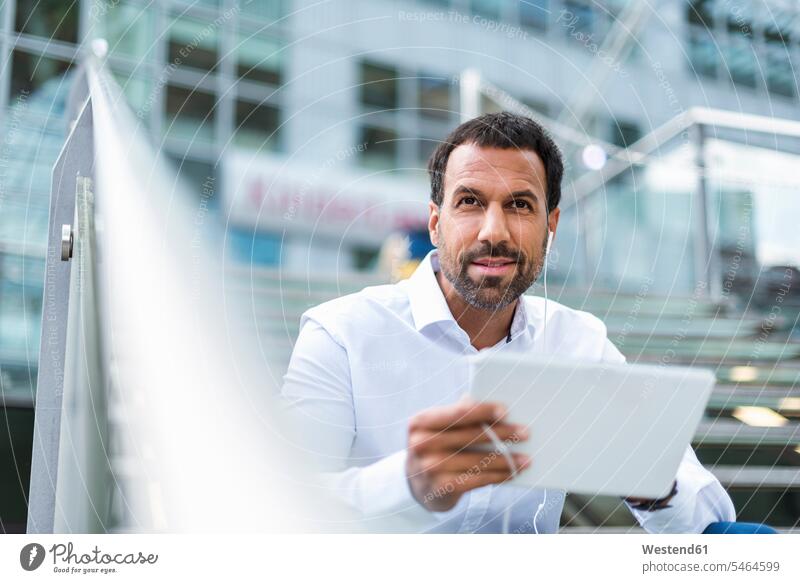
490	293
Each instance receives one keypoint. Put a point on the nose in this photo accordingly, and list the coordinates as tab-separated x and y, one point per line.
494	228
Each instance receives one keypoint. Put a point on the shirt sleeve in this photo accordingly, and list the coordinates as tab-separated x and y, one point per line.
317	393
700	499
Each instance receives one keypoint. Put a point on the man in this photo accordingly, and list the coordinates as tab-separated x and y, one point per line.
377	377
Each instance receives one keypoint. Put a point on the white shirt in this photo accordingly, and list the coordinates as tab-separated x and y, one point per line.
365	363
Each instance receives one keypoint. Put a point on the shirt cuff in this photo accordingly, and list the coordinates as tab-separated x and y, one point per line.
381	491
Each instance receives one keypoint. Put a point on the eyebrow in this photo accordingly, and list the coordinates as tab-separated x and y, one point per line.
463	189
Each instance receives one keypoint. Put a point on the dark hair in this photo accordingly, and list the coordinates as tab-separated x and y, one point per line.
503	130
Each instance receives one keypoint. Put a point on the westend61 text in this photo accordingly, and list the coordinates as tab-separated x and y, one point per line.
675	550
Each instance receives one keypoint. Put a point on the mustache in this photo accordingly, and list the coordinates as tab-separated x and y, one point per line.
501	251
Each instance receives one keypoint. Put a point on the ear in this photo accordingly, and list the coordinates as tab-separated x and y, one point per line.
433	223
552	220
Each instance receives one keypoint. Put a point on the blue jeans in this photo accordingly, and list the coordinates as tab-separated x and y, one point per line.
739	528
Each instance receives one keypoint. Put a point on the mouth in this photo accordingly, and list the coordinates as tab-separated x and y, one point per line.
493	265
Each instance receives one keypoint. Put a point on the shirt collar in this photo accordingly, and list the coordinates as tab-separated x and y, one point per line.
428	305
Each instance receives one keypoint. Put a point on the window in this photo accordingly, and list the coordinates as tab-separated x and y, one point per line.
30	73
190	114
259	59
486	8
776	34
434	97
779	72
381	147
577	18
740	60
740	19
193	43
379	85
417	110
129	29
51	19
263	9
700	12
257	125
703	53
534	13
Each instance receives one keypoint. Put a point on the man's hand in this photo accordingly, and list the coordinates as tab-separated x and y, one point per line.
440	467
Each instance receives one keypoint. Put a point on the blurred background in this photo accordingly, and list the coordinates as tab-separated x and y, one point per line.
303	128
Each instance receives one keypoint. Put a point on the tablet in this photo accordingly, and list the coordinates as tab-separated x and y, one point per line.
596	428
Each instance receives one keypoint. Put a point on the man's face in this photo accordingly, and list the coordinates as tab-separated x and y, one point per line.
492	228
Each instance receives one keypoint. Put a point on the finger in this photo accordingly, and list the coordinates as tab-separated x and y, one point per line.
443	462
464	482
458	483
460	414
461	438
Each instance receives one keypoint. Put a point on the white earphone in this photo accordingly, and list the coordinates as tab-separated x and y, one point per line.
544	278
544	349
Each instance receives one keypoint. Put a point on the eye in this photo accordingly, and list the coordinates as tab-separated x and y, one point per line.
521	204
469	200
